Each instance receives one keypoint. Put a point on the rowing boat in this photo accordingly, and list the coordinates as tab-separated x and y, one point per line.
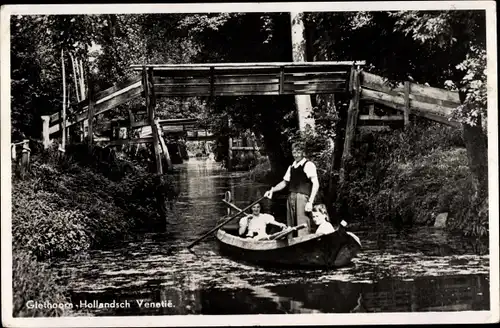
327	251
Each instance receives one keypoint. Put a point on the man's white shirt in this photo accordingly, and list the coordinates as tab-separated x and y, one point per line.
309	169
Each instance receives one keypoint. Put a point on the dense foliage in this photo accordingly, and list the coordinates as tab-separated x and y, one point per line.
409	177
68	206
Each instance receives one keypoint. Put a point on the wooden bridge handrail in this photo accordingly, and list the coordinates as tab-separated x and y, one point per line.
248	65
426	101
101	96
379	83
104	104
178	121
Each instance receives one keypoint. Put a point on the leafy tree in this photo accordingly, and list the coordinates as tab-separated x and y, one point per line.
442	48
463	33
35	77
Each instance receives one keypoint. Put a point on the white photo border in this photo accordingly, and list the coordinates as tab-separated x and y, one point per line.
490	316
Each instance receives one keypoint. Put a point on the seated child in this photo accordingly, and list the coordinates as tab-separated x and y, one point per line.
320	218
256	223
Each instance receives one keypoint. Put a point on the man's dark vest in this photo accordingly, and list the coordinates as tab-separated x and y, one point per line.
299	182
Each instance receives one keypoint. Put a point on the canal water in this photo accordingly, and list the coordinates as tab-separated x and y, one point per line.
420	269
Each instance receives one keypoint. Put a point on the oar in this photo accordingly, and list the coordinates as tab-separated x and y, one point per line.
223	223
232	205
286	232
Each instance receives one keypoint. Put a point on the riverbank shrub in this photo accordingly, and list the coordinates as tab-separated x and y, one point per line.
409	177
69	204
33	281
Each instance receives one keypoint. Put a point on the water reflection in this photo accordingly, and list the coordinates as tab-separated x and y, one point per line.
450	293
415	270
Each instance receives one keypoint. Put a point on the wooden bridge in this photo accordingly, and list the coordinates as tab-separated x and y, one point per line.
243	79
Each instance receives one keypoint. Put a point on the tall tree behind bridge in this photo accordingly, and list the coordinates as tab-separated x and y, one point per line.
302	102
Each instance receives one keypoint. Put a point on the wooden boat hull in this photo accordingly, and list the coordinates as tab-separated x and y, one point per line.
311	251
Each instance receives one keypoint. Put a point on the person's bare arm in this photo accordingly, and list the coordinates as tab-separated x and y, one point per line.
314	191
278	187
278	224
243	227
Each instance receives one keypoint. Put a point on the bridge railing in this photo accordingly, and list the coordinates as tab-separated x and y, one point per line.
411	98
102	102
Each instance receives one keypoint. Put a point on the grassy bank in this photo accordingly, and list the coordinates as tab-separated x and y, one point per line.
406	178
86	199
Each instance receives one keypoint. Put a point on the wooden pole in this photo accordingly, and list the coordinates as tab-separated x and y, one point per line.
45	131
150	111
63	127
75	76
82	78
230	149
230	155
90	117
163	146
13	154
81	82
25	158
352	117
68	104
407	104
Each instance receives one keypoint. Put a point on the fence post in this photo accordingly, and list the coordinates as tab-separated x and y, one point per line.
25	158
45	131
407	104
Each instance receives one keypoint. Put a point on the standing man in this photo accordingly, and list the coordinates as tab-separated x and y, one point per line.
303	181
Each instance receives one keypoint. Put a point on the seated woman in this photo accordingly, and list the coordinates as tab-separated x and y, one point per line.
256	223
320	218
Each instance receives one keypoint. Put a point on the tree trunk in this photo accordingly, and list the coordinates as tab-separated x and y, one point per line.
476	144
302	102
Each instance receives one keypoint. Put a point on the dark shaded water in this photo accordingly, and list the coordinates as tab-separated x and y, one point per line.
421	269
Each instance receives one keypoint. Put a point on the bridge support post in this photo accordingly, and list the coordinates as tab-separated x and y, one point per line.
164	147
352	118
150	110
229	148
230	155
